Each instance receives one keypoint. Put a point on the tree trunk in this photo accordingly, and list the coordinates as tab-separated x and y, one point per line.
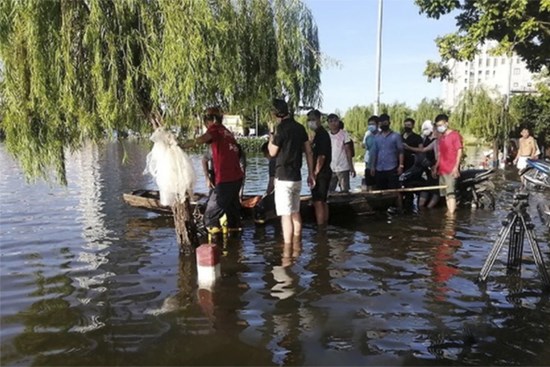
186	228
495	154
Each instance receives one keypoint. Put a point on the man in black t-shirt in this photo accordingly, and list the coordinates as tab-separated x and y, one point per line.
287	145
322	154
412	139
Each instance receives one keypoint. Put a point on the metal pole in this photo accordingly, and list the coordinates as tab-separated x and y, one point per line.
256	117
506	108
378	56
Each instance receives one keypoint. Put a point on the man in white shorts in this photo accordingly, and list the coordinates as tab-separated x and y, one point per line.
287	145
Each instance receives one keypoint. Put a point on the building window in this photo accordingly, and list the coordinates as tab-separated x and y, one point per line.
465	72
479	81
517	60
494	72
529	85
466	80
515	85
487	72
488	62
502	61
495	62
479	72
467	63
516	71
479	62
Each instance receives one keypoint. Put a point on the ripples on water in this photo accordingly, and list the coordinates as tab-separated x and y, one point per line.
87	280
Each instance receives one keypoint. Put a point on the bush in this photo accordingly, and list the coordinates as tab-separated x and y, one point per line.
251	144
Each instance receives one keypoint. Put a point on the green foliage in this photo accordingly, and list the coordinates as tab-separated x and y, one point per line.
481	115
532	111
355	121
398	112
251	145
74	70
428	109
520	26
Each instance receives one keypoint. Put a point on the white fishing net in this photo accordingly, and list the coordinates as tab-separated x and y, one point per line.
171	168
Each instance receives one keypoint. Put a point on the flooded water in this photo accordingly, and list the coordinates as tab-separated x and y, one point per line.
87	280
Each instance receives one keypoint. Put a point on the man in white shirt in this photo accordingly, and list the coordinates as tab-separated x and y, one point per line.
341	163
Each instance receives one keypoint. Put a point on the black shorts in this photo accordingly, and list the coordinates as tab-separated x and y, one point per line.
369	179
320	190
387	179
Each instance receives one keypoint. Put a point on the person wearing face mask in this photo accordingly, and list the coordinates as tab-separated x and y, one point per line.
427	152
368	144
322	152
342	156
387	159
410	139
449	149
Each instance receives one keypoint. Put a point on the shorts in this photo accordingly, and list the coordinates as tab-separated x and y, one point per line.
522	162
450	182
387	179
320	191
369	179
339	179
287	197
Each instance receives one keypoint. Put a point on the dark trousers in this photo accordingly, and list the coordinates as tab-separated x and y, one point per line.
224	199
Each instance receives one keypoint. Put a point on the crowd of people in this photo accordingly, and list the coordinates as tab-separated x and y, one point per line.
329	158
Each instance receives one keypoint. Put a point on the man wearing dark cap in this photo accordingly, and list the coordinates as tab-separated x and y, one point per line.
227	172
287	145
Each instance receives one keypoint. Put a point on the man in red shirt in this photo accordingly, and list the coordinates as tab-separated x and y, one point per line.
227	172
449	152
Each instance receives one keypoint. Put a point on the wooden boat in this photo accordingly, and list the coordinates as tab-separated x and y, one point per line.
341	206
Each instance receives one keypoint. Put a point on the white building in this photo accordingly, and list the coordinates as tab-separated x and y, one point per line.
491	72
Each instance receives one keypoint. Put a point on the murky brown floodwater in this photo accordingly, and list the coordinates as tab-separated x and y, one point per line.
87	280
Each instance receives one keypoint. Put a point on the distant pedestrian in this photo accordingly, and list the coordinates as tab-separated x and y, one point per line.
527	149
368	144
341	162
287	145
449	153
322	154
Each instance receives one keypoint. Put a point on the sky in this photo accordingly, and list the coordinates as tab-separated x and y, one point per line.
347	33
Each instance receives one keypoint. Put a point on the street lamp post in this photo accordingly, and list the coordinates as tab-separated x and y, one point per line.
378	56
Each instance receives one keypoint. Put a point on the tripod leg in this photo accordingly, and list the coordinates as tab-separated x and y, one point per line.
537	254
502	235
515	247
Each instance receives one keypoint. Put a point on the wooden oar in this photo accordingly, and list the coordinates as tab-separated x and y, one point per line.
406	189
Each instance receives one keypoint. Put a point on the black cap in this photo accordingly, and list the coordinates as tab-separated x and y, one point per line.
280	107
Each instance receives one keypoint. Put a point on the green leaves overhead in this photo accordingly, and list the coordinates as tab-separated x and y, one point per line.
73	70
520	26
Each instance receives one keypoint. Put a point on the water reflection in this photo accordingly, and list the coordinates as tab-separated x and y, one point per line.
86	280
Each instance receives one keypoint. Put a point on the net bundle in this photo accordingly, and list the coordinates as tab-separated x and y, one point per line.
171	168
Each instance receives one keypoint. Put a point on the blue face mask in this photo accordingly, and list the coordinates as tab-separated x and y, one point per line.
372	128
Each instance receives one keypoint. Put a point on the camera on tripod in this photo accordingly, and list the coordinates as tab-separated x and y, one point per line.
515	228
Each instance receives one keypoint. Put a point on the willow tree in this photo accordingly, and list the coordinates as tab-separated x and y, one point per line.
73	70
481	113
428	109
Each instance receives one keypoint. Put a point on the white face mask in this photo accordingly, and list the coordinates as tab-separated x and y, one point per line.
312	124
441	129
